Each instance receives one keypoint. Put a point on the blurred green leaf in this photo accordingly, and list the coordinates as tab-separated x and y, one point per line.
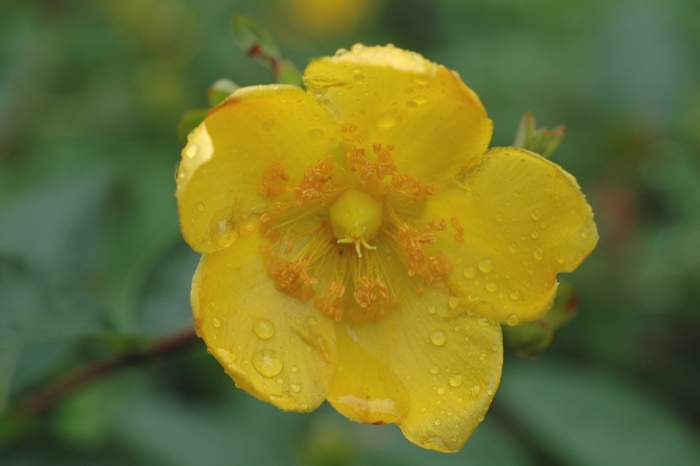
218	91
587	416
287	73
255	41
8	362
189	121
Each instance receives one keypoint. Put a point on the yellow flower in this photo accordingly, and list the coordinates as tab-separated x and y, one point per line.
361	245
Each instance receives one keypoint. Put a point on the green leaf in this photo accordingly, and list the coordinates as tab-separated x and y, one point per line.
8	362
189	121
287	73
218	91
255	41
590	417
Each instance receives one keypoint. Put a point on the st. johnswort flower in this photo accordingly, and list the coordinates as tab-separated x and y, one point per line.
362	245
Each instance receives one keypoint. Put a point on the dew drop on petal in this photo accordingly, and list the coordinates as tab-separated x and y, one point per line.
438	337
513	246
267	363
482	321
456	380
491	287
295	387
584	233
485	265
512	319
434	370
440	391
437	422
263	328
515	296
269	125
200	207
538	253
470	272
499	217
431	309
561	258
192	151
476	389
536	214
535	234
216	322
411	104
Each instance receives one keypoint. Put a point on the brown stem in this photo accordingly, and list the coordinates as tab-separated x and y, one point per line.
39	400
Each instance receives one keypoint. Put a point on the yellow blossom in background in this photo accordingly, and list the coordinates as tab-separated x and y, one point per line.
362	245
323	19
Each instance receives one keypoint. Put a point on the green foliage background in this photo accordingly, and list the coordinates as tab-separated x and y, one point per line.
92	263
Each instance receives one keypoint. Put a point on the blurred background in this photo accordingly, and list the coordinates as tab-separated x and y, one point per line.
92	262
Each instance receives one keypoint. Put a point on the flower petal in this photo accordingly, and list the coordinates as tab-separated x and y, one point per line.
272	345
434	376
224	164
389	96
523	220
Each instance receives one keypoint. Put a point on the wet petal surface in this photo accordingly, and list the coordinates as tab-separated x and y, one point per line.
244	155
515	222
392	97
272	345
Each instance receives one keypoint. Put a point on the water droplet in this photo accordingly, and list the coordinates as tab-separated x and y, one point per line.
440	391
269	125
280	381
312	321
263	328
512	319
216	322
358	78
476	389
485	265
431	309
411	104
438	337
267	363
434	370
539	254
453	302
470	272
499	217
386	120
561	258
482	357
295	387
491	287
482	321
437	422
456	380
513	246
192	150
536	214
316	134
584	233
515	295
200	207
480	418
535	234
295	368
489	391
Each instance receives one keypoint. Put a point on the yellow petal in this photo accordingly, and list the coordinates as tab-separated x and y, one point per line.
272	345
523	220
433	376
389	96
220	181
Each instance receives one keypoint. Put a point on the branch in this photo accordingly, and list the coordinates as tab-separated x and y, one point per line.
36	402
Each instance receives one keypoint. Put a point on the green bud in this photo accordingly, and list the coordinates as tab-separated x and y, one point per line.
189	121
218	91
255	41
542	141
528	339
